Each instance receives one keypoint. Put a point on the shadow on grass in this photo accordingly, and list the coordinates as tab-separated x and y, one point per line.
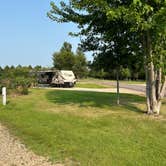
96	99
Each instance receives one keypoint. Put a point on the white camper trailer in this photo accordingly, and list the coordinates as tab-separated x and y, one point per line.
59	78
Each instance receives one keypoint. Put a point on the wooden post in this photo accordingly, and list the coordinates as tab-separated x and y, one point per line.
4	95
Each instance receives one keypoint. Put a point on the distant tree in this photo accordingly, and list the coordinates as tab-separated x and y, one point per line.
1	68
64	59
125	73
30	67
37	68
80	65
7	68
18	66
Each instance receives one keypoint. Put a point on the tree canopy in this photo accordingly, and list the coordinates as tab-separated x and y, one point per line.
65	59
123	32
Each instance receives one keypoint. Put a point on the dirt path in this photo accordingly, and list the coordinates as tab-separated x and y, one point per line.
13	153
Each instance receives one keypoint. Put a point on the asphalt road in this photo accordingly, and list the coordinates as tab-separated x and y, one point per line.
135	87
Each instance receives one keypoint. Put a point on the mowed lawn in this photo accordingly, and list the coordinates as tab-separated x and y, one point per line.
90	85
87	128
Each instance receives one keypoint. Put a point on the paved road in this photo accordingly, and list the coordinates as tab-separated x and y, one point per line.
135	87
140	88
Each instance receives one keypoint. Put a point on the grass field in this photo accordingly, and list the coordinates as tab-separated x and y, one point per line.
90	85
87	128
100	81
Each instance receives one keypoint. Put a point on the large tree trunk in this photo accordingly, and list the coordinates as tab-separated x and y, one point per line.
155	87
155	91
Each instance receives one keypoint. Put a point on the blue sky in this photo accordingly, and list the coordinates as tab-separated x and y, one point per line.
27	36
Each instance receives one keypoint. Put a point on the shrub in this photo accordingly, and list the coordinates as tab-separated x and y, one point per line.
17	85
1	88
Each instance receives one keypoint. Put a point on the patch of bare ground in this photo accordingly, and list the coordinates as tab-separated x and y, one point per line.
14	153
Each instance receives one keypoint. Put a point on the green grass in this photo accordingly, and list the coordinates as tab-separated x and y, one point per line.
100	81
90	85
87	128
132	82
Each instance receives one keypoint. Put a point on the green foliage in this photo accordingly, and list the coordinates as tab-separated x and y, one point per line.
17	79
125	73
90	85
104	32
147	19
65	59
21	84
80	66
133	72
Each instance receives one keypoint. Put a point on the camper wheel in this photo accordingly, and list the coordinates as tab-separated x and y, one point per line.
68	84
71	84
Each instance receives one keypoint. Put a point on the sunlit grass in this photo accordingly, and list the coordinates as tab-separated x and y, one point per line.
87	128
90	85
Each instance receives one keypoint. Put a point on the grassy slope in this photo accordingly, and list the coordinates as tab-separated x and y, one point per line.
99	81
90	85
85	128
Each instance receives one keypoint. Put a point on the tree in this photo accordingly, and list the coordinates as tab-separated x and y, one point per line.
80	66
111	41
146	35
125	73
148	20
65	58
1	71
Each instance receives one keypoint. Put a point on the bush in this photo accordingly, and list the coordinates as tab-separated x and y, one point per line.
22	90
18	85
1	88
125	73
22	84
18	79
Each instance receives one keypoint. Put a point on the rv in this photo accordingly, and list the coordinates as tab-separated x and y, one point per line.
57	78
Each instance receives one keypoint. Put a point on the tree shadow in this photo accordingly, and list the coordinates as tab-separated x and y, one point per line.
96	99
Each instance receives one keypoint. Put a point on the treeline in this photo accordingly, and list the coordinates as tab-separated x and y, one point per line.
125	73
66	59
18	79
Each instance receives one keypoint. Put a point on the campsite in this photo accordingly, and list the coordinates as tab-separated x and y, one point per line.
83	83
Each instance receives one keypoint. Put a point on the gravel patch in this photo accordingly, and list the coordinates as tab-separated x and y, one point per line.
13	153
